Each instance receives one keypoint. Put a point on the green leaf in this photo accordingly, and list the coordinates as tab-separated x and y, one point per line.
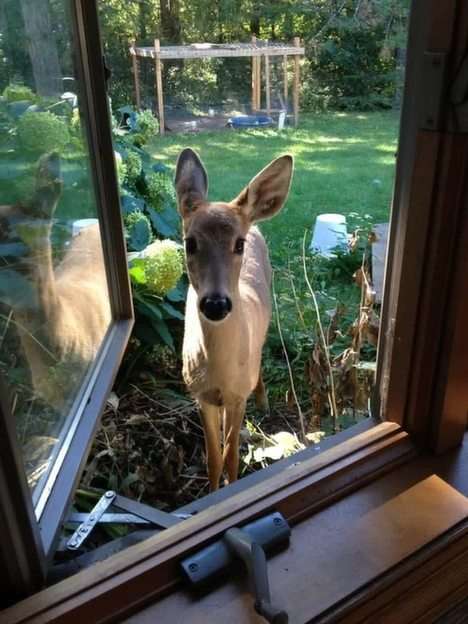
140	235
160	224
137	273
177	294
129	203
148	309
163	331
172	311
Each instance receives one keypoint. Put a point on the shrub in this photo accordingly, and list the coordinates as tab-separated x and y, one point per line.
133	165
160	190
348	71
147	125
121	168
139	234
18	93
42	132
164	267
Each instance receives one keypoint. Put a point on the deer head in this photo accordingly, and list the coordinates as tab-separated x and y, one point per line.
215	232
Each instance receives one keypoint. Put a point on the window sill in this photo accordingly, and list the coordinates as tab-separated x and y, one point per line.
123	583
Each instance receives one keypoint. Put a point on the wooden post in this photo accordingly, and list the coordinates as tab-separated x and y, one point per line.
259	83
254	76
136	77
267	84
285	80
159	87
297	43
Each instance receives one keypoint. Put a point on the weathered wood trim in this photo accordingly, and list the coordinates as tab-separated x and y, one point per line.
419	590
143	572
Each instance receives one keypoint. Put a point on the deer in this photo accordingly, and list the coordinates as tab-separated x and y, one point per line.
228	306
64	312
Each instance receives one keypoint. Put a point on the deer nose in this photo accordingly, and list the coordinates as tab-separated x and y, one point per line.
215	308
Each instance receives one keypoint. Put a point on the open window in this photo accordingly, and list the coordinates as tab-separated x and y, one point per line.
66	309
420	398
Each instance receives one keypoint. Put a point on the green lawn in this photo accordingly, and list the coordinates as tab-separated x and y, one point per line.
344	162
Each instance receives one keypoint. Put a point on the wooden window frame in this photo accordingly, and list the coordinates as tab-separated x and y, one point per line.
30	529
421	389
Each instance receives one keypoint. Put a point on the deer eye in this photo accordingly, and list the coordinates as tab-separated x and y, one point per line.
190	245
239	246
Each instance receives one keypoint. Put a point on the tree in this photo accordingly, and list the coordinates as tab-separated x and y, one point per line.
41	46
170	21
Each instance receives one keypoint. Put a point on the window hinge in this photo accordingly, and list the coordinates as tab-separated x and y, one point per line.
248	543
433	81
459	99
134	513
444	104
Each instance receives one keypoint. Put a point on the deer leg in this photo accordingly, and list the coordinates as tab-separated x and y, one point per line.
212	430
261	399
234	416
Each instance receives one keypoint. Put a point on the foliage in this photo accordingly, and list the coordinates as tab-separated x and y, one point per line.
149	211
17	93
133	166
159	190
379	28
146	125
121	167
348	69
42	132
164	267
138	230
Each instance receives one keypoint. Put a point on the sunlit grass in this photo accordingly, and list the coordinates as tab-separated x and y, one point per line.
344	163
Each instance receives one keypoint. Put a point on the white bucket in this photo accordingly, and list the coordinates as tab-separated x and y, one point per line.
82	224
281	120
329	233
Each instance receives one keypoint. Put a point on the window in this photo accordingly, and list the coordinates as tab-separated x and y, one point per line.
65	305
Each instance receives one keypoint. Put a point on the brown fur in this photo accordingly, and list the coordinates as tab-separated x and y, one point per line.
221	361
70	313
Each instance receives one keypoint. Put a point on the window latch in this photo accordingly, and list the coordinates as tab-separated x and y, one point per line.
248	543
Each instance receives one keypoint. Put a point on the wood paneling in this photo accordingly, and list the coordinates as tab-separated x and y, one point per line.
334	554
148	569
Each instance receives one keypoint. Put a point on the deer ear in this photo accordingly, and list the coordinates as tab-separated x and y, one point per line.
266	193
191	181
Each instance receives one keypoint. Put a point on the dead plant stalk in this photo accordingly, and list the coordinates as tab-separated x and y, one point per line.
331	382
293	387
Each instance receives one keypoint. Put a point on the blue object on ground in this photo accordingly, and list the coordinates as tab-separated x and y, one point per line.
250	121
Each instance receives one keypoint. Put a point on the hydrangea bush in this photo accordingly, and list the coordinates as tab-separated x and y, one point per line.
163	266
149	209
160	191
42	132
138	230
18	93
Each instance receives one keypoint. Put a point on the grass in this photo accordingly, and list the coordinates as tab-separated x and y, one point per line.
344	162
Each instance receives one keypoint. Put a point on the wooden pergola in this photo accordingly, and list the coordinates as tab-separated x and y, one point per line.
256	50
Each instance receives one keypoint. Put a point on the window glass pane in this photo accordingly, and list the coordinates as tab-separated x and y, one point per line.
54	302
333	101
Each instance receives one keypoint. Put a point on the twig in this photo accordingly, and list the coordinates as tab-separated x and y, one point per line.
7	324
293	387
332	395
23	329
296	300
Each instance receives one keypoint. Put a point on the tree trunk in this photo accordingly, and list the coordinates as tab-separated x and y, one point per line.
170	21
41	47
255	25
